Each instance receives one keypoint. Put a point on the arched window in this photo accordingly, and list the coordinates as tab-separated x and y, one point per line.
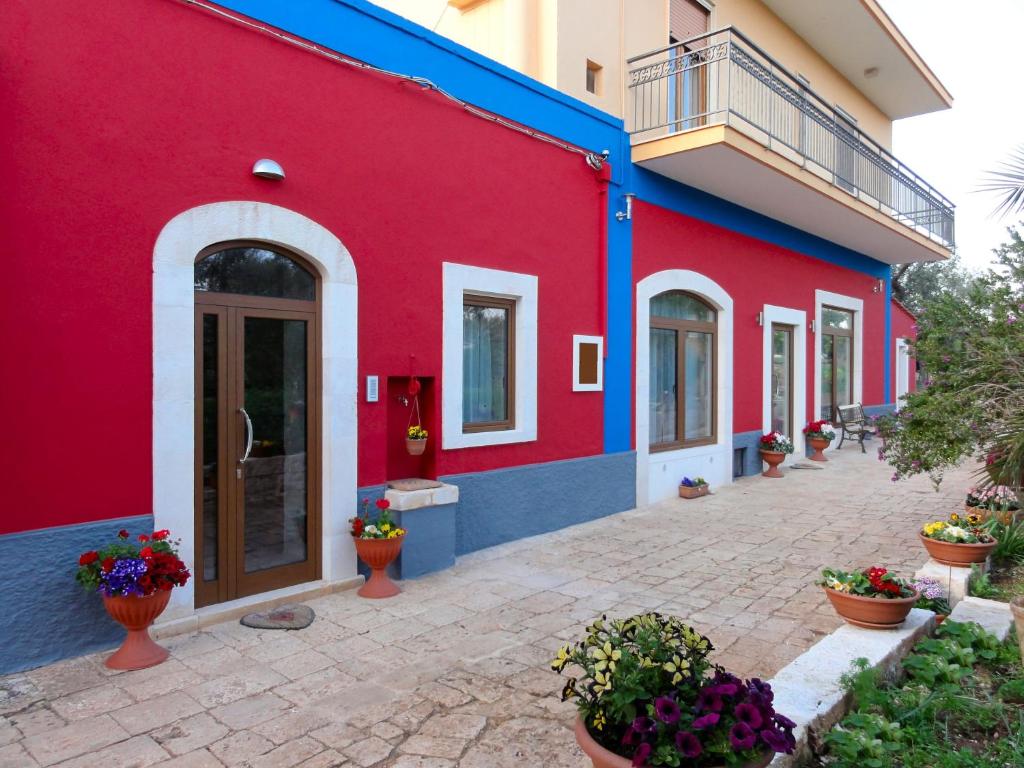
253	269
682	372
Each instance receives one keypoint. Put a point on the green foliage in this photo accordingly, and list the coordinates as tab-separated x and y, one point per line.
980	585
963	687
915	285
1010	535
971	346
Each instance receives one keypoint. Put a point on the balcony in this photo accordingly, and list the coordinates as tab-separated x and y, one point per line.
717	113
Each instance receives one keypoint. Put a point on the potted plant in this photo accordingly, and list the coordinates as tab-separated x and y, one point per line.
872	598
135	580
997	501
378	542
932	598
960	541
819	434
693	489
647	695
774	447
416	440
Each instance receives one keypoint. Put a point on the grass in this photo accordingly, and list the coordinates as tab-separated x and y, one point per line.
958	704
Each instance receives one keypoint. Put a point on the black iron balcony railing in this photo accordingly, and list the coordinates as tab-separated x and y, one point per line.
722	78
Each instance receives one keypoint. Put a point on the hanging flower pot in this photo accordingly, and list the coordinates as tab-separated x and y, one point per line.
416	440
135	581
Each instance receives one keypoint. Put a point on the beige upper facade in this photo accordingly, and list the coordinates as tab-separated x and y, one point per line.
848	51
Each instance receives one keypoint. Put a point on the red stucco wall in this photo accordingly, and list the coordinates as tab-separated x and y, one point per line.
904	326
119	116
754	273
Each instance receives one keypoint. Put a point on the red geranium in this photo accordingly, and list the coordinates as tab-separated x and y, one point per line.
122	534
382	504
160	535
107	565
357	526
88	557
143	538
146	552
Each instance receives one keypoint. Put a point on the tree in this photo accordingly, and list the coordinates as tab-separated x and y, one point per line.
914	285
1007	181
972	346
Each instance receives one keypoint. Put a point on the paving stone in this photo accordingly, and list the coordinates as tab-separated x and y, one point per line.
434	746
224	690
295	723
367	752
137	752
92	702
78	738
287	755
326	759
455	726
15	756
198	759
239	747
8	732
38	718
250	711
190	734
148	715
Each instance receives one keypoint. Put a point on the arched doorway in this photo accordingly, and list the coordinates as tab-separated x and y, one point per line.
257	342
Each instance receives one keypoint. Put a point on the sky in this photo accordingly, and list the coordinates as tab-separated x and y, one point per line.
977	55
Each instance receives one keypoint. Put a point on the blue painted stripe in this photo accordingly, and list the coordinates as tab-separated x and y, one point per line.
47	616
887	393
664	192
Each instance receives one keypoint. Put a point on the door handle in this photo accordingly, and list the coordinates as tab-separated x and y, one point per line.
248	433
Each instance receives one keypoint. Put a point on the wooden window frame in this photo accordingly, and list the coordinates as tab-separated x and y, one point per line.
790	331
681	327
509	423
831	330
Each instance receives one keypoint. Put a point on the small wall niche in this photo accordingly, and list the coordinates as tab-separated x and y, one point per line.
400	407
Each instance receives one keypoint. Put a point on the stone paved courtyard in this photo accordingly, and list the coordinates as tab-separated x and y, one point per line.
454	671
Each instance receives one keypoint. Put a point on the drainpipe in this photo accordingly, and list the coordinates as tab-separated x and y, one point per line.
603	179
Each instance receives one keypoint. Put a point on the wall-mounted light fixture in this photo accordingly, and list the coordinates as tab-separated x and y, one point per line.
760	319
628	213
266	168
879	286
812	326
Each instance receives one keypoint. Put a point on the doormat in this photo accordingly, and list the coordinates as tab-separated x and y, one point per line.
807	465
292	616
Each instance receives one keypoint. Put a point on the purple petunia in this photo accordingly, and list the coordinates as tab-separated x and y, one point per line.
123	578
709	700
644	725
742	737
667	710
749	714
688	744
710	720
630	737
757	685
784	722
640	756
776	740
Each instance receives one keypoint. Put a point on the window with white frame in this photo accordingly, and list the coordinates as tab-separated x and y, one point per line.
489	357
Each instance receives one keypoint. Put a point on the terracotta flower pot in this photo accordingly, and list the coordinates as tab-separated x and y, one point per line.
686	492
602	758
415	447
136	614
957	555
1017	607
772	459
871	612
378	554
819	444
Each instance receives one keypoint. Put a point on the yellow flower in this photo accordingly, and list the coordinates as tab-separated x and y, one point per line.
386	527
561	659
974	519
599	720
954	518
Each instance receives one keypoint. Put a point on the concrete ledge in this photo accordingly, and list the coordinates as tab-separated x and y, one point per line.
955	580
427	497
992	615
808	690
236	609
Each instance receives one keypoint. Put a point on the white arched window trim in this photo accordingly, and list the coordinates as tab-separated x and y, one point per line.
174	255
656	474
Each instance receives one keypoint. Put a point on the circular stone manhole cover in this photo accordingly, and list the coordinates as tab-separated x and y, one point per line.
292	616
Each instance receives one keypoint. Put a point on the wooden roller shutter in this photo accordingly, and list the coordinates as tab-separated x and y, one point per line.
686	19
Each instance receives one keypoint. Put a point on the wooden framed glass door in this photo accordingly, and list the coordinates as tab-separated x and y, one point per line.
782	379
257	442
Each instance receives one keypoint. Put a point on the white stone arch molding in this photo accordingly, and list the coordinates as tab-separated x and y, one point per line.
177	246
796	318
656	474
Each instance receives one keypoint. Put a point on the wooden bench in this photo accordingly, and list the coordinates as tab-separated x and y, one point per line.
853	423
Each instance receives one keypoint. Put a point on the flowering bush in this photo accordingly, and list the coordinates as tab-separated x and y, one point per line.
776	442
932	596
696	482
416	432
871	582
647	691
958	530
382	527
996	498
126	568
820	430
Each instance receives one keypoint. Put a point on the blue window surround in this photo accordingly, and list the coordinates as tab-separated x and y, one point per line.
369	33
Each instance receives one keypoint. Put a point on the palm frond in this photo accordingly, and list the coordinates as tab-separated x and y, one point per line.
1007	181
